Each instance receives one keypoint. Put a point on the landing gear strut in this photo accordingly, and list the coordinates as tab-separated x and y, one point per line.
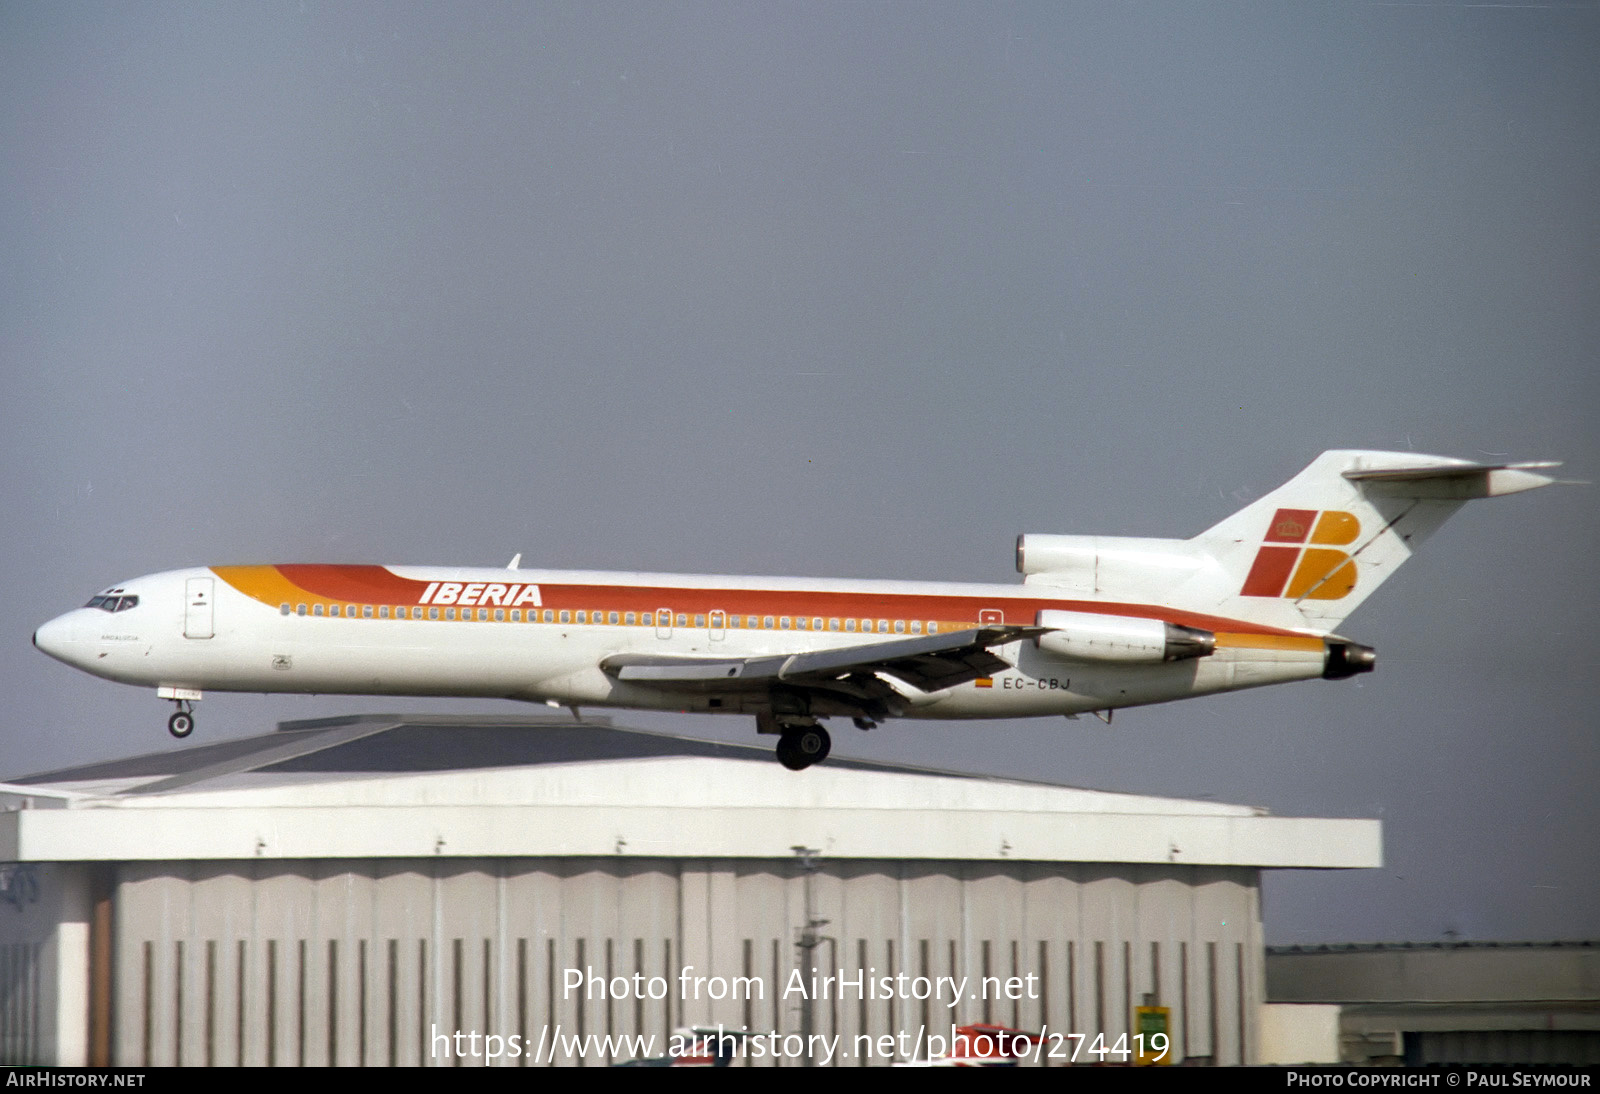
181	724
802	746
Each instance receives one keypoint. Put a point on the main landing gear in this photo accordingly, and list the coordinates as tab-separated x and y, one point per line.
801	747
801	742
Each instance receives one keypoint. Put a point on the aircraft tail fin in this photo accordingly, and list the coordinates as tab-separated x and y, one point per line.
1309	553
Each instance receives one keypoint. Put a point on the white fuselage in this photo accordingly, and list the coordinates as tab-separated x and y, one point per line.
542	636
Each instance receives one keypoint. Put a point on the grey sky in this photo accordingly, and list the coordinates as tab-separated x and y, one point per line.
839	290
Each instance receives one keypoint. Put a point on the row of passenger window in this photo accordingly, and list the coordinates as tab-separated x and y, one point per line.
663	618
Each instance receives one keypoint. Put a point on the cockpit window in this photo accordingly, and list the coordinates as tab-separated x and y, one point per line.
113	603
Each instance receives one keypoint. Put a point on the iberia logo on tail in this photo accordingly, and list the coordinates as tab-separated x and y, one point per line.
1287	566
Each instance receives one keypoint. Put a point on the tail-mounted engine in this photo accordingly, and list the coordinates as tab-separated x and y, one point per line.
1084	636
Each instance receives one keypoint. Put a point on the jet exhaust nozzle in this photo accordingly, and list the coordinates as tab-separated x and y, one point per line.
1186	642
1347	659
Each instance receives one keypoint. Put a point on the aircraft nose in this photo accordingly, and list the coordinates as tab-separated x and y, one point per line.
57	638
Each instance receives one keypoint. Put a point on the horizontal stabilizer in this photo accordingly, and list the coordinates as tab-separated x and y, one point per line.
1455	480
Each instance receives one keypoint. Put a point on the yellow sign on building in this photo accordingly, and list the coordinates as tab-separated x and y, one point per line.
1152	1043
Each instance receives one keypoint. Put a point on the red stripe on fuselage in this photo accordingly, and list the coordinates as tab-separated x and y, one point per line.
362	584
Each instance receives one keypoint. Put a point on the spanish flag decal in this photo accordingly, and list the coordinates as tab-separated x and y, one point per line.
983	682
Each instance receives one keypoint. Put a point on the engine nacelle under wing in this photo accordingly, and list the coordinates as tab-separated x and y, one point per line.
1084	636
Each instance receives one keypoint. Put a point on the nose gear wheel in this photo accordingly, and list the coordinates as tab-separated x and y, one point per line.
181	724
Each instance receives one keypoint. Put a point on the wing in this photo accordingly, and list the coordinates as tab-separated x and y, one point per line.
932	663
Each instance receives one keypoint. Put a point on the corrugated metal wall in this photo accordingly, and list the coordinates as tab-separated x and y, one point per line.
376	963
38	917
21	1003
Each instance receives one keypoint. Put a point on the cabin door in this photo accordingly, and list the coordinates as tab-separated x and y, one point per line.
198	594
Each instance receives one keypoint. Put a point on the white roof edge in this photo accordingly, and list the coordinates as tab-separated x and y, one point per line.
705	783
457	831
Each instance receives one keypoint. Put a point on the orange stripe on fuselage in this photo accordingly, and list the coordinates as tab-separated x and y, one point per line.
339	584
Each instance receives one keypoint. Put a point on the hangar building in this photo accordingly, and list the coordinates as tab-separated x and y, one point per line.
357	891
1454	1002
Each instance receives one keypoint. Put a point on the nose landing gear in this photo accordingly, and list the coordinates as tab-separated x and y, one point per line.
181	724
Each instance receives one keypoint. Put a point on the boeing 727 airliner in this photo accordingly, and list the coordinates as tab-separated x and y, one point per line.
1097	623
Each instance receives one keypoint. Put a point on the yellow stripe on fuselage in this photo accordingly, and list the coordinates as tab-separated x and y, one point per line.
1232	640
266	584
